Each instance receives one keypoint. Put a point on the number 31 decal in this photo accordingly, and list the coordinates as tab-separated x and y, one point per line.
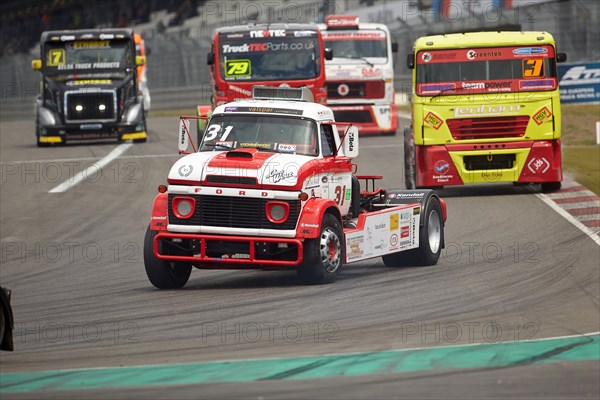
213	131
533	68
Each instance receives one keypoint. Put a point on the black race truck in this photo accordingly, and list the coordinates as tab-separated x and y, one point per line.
89	87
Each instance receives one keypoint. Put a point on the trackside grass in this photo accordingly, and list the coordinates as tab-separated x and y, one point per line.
581	154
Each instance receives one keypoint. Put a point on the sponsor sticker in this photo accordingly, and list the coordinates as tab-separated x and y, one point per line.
433	120
394	218
404	231
529	51
541	116
286	148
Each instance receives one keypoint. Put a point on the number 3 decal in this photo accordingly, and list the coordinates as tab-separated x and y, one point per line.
533	68
213	131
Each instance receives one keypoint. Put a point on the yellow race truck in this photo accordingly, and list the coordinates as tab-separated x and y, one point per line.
485	108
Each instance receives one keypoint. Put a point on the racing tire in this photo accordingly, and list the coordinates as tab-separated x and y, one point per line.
548	187
3	323
37	135
324	255
431	238
409	160
41	144
164	274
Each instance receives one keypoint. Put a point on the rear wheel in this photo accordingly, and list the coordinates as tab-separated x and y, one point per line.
323	256
409	159
551	186
164	274
431	237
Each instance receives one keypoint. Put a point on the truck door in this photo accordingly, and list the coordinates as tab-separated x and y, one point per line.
337	170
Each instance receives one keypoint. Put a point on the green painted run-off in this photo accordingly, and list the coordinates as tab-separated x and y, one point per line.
578	348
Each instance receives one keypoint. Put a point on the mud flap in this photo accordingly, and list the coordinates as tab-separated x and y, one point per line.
395	197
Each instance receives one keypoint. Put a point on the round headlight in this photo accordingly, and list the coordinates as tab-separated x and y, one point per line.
184	207
277	212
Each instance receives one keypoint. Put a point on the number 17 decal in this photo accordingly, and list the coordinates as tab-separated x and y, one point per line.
533	68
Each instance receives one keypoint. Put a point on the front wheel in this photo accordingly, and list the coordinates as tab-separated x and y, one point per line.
323	256
431	238
164	274
409	160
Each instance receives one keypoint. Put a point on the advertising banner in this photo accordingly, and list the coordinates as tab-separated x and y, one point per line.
579	83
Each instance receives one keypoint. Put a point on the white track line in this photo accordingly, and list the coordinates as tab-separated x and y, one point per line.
92	169
86	159
565	214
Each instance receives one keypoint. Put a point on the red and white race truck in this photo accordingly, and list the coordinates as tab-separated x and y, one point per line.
360	76
272	186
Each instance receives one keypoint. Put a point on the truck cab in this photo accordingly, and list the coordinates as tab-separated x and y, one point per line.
90	87
360	76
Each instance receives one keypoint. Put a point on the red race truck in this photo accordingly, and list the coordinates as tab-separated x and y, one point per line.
272	186
285	55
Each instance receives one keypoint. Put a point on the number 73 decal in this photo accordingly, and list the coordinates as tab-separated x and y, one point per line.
237	68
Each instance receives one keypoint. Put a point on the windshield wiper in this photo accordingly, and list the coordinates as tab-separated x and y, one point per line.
446	91
225	146
260	149
367	61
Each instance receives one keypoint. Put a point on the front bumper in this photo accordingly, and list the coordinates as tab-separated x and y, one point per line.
219	251
91	131
530	162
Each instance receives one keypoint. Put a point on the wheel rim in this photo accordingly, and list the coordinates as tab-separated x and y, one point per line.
330	249
434	231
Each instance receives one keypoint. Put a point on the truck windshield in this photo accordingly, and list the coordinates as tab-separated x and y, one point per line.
88	55
357	44
485	70
270	58
267	133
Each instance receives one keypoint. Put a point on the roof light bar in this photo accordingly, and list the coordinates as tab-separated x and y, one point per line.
282	93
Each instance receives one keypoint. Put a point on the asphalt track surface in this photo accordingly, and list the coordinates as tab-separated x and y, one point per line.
513	270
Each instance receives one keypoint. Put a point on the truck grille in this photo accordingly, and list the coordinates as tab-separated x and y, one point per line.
232	180
90	106
494	161
234	212
356	90
488	128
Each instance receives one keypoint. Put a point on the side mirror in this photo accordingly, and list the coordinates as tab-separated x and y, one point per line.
184	138
328	53
36	64
394	47
140	60
561	57
351	141
210	58
410	61
148	51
